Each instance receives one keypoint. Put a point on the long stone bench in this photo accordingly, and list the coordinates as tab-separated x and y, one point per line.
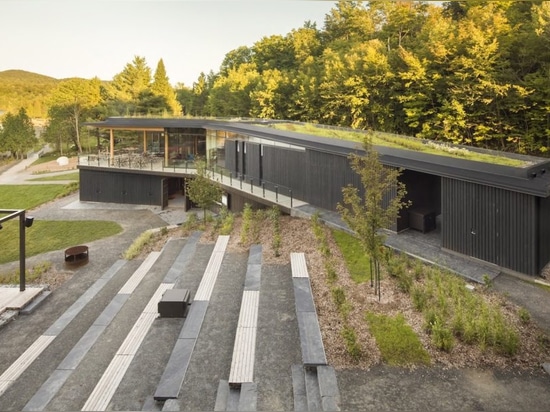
176	368
311	341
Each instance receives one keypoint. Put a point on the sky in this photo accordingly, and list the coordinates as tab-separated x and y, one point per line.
89	38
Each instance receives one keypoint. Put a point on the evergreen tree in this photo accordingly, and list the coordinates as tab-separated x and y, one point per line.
161	87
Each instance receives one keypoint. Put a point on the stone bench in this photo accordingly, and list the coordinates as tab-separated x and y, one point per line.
311	341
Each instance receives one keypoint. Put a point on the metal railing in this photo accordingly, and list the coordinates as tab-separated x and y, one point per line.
270	191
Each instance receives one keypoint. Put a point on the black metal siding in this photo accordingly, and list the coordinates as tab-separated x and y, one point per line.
113	186
495	225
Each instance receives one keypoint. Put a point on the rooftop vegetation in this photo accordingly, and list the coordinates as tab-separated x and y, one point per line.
402	142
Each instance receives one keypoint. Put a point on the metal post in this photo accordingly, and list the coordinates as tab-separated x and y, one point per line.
263	188
277	193
22	252
290	191
251	185
241	181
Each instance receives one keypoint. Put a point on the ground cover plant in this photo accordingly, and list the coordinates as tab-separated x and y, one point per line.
401	142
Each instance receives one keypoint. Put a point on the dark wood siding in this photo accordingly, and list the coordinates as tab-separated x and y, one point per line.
253	162
544	232
285	167
114	186
495	225
230	155
327	174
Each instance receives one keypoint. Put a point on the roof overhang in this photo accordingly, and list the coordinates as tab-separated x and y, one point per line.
533	179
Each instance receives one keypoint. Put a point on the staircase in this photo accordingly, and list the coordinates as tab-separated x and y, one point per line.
240	346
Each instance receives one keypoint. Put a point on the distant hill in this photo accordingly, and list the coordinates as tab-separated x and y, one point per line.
19	88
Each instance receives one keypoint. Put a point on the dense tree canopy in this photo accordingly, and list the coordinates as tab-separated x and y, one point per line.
474	73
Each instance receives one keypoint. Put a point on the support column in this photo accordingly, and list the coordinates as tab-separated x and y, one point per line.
144	141
111	146
166	152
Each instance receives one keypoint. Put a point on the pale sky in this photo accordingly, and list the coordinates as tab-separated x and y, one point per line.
88	38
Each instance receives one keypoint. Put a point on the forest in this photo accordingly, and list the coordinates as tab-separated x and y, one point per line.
474	73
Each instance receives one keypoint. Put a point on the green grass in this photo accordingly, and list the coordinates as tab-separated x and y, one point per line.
63	177
402	142
30	196
357	261
49	235
45	236
398	344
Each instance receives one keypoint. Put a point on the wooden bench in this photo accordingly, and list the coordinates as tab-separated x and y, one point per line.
244	349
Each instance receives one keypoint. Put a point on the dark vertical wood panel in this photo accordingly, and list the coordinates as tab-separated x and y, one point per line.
490	224
327	174
230	157
253	161
543	232
285	167
115	187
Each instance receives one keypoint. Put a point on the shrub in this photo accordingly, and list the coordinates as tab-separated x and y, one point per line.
524	315
247	222
442	337
138	245
352	345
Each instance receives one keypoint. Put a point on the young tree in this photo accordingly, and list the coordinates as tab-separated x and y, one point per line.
377	210
17	134
201	190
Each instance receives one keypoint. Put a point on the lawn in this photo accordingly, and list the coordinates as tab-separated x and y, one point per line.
48	235
45	236
30	196
63	177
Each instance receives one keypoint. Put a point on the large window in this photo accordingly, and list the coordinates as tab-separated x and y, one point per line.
185	144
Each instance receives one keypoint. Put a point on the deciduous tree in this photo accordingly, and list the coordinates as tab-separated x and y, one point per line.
72	99
17	134
201	190
377	208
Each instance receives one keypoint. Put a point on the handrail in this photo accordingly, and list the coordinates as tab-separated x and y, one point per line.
260	188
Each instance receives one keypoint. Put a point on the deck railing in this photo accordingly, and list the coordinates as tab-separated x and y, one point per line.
274	193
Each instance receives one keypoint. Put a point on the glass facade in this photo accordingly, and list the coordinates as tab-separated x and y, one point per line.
185	144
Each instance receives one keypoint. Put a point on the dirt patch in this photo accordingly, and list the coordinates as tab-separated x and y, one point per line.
53	166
